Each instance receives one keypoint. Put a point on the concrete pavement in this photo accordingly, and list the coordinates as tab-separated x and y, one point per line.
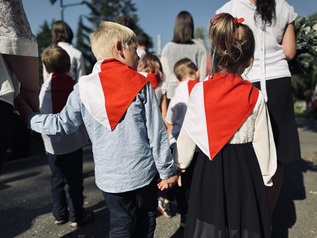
25	207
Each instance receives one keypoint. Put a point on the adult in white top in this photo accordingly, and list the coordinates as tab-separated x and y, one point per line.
182	46
19	71
62	35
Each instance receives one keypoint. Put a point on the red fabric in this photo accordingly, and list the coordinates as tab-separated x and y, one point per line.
191	84
229	100
154	80
61	86
120	85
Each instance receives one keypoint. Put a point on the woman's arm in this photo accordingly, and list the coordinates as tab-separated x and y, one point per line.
289	42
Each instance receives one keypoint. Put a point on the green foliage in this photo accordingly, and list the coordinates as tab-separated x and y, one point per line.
106	10
43	41
200	33
304	66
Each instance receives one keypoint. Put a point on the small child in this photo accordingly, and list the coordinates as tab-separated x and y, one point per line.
187	74
150	66
144	42
228	120
64	152
129	140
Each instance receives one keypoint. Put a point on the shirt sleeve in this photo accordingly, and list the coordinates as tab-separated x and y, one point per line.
264	144
65	122
157	135
185	149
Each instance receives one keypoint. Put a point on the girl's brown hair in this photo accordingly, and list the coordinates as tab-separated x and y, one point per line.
150	63
61	32
232	44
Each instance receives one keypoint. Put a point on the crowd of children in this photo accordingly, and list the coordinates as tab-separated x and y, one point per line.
211	154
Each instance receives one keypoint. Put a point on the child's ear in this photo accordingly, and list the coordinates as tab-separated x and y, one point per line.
197	74
119	48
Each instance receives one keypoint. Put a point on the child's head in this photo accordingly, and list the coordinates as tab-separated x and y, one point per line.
144	40
56	60
126	21
61	32
150	63
113	40
232	44
186	69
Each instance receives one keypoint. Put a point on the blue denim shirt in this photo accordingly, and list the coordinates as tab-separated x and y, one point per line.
126	158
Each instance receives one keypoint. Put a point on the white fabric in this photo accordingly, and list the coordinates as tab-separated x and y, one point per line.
92	95
177	109
59	144
269	59
140	52
77	66
256	129
16	39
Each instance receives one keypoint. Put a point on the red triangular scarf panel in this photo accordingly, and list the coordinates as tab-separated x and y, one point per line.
120	85
61	86
154	80
191	84
229	100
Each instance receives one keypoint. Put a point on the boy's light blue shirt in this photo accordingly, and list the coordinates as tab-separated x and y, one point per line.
126	158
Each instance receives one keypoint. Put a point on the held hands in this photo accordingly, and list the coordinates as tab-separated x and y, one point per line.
167	183
170	182
22	106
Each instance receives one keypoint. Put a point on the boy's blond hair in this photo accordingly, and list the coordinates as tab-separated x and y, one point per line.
185	68
105	38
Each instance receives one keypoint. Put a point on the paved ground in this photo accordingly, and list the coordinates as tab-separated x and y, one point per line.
25	207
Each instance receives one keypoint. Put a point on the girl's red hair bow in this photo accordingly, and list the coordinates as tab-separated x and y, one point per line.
238	21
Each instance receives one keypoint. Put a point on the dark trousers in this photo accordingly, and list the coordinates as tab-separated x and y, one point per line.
182	193
133	213
7	125
67	169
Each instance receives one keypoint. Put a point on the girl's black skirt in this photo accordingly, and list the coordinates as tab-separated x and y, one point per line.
227	197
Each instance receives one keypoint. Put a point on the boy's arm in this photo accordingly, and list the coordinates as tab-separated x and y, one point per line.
157	135
65	122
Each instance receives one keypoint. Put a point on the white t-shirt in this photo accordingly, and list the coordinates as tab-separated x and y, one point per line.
177	109
77	66
269	59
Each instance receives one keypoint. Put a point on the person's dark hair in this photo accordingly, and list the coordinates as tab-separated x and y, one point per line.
126	21
266	10
55	59
184	28
232	44
61	32
144	40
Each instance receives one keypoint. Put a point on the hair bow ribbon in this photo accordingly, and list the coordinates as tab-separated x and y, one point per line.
238	21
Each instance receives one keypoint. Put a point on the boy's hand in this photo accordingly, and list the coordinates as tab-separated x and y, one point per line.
23	108
167	183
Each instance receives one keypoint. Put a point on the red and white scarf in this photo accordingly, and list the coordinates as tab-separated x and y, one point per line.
217	109
109	90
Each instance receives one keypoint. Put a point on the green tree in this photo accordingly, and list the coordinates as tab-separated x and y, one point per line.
106	10
304	66
43	41
200	33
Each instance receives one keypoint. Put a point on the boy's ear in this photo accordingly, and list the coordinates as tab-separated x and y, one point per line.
197	74
119	48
